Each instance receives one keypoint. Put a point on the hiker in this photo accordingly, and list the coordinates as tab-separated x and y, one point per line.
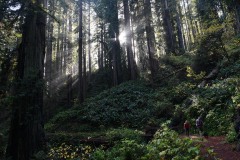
186	127
199	125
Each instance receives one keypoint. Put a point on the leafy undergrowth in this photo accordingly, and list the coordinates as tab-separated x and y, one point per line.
129	104
135	104
120	114
166	144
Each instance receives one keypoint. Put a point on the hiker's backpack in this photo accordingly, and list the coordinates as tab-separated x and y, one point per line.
199	123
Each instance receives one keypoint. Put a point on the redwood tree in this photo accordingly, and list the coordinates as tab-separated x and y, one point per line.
131	60
151	42
80	53
26	135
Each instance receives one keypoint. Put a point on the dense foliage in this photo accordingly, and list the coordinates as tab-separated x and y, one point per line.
89	79
103	110
166	145
150	106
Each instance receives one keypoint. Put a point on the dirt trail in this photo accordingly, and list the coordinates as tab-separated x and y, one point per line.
223	150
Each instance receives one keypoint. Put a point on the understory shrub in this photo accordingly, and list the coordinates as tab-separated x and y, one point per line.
124	150
124	133
166	145
231	135
129	104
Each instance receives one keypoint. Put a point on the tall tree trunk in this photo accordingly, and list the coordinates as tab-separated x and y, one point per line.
105	49
26	135
197	27
115	44
69	60
85	55
181	19
58	54
80	53
48	68
62	43
65	45
132	63
187	26
89	42
167	27
102	62
84	73
133	39
150	39
191	21
179	32
99	56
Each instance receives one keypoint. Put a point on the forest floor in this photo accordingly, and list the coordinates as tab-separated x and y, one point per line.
221	149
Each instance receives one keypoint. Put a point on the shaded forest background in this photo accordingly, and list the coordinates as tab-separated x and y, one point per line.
77	73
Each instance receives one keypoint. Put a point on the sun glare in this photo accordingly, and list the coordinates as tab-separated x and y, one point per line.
123	37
